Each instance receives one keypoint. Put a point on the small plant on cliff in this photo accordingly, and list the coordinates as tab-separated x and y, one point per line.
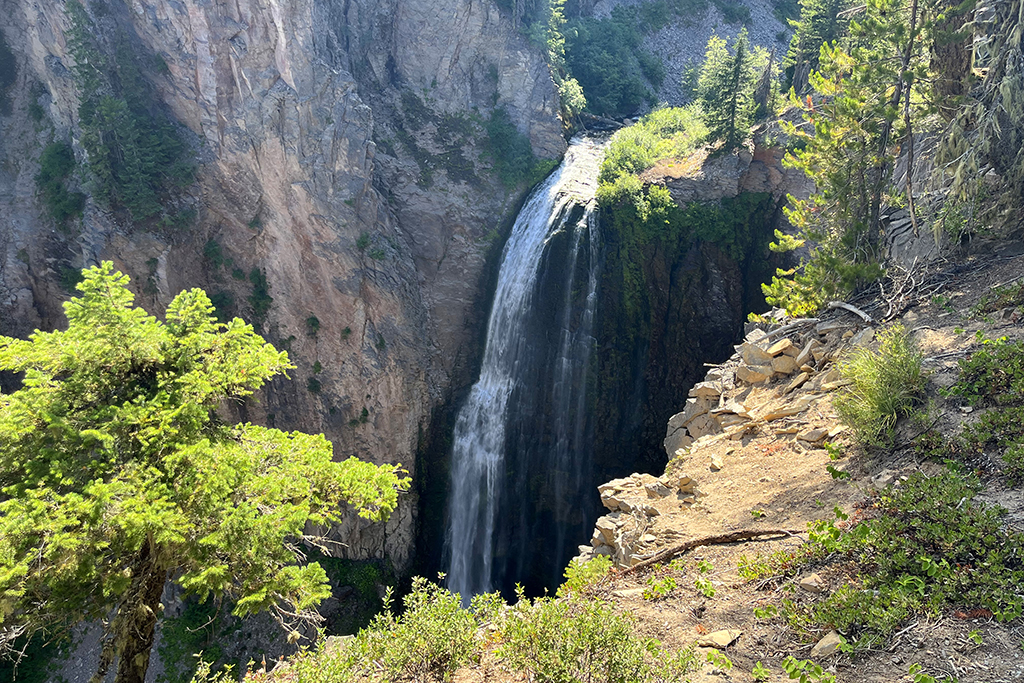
117	475
885	385
55	166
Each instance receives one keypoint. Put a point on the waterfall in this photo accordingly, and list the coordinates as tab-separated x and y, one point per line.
514	371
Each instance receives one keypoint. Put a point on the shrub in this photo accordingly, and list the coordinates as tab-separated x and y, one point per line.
511	154
584	640
933	546
581	575
55	166
668	132
260	299
886	384
429	641
136	158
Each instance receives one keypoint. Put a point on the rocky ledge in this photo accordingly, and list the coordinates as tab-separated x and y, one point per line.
772	384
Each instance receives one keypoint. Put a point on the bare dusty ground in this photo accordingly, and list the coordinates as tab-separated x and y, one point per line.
769	480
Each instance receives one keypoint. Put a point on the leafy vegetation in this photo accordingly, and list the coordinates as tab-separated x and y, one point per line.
991	377
56	164
726	88
665	133
8	74
117	475
932	546
569	638
511	153
863	107
886	385
820	23
135	158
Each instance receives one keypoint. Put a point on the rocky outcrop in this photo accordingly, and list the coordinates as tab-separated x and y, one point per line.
317	126
740	398
709	177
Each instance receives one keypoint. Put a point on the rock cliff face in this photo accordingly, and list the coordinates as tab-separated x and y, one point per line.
341	155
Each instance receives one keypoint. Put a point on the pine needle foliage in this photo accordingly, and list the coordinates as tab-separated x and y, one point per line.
851	133
116	474
135	157
725	88
886	385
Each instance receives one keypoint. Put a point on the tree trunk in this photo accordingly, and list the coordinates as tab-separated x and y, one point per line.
135	623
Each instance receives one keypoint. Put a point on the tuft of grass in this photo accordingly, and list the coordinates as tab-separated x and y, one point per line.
886	386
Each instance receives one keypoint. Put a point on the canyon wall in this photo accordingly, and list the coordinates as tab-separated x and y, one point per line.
342	156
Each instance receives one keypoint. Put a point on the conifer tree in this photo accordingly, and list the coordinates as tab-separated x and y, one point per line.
725	88
862	110
116	473
821	22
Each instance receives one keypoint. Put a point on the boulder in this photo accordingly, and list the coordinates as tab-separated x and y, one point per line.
605	527
780	346
796	383
754	374
719	639
805	355
657	490
827	646
701	425
812	435
706	390
812	584
752	354
784	364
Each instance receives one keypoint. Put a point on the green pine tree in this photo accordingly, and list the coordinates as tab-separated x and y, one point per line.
117	474
725	87
862	111
821	22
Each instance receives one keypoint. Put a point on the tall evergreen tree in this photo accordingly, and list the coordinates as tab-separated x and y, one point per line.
861	113
725	88
820	22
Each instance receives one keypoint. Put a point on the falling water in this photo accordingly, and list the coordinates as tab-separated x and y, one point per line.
479	468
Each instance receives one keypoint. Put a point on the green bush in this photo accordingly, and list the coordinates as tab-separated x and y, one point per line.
430	639
8	74
56	164
511	154
604	55
933	546
584	640
260	299
886	386
994	375
665	133
136	158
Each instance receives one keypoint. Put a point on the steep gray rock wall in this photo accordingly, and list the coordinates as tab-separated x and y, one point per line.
300	114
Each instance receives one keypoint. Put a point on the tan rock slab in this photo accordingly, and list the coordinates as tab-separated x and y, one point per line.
797	382
784	364
705	390
812	583
605	526
752	354
805	354
780	346
719	639
828	645
812	435
754	374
